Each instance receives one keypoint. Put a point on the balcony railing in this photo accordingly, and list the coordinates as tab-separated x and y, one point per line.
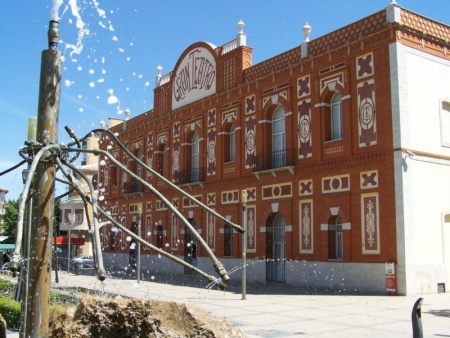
277	159
132	187
192	176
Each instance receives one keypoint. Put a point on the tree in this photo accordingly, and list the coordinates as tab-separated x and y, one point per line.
11	215
10	218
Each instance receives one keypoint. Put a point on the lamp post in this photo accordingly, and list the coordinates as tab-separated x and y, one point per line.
244	244
70	237
138	255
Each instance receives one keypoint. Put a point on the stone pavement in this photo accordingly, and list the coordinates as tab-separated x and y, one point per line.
274	310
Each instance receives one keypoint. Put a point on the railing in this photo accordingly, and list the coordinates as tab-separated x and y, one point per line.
229	46
164	79
191	176
277	159
132	187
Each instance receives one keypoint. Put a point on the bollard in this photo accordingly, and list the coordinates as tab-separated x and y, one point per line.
416	317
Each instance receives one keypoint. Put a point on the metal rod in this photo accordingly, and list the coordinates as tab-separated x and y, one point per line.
101	273
70	237
218	266
170	184
160	251
138	254
244	244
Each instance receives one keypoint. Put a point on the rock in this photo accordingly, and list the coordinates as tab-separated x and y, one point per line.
99	317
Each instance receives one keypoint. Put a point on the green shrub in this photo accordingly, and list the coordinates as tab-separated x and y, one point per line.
10	310
6	286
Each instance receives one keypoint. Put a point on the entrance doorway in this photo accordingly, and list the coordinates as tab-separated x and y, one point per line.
275	248
190	247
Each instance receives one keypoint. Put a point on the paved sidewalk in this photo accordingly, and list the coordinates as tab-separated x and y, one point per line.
274	310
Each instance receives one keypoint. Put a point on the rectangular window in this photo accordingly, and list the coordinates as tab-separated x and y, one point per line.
79	213
66	215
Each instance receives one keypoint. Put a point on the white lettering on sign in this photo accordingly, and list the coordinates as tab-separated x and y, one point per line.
195	77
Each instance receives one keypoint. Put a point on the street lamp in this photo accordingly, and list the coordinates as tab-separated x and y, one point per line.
69	218
244	243
138	256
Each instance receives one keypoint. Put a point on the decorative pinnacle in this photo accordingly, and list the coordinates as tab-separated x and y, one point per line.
307	31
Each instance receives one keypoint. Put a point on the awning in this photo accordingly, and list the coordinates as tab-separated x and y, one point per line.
65	241
11	247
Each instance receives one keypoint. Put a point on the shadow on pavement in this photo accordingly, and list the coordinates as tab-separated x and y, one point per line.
234	286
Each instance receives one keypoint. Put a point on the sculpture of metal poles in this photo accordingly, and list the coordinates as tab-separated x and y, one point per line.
36	305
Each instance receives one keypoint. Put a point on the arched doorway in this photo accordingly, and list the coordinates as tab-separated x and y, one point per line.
159	236
190	247
275	248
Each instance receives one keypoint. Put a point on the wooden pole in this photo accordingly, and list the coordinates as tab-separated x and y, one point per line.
36	305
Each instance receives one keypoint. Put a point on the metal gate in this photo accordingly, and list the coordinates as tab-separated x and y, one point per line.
275	250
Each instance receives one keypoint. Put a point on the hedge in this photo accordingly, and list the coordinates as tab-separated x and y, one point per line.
10	310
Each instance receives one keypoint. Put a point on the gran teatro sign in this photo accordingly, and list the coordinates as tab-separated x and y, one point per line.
195	77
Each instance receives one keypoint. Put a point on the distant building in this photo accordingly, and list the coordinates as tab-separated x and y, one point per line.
75	218
342	144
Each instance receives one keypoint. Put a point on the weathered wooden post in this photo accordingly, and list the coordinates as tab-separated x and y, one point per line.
35	307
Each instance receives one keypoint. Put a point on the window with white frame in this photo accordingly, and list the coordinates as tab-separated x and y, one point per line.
79	215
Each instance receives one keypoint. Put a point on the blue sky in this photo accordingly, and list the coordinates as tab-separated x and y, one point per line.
123	41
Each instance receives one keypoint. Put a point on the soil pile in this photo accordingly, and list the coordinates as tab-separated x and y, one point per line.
96	317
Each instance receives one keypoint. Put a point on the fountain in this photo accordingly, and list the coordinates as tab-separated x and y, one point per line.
45	156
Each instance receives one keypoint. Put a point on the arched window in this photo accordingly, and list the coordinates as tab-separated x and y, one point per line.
195	158
336	117
230	144
278	138
335	238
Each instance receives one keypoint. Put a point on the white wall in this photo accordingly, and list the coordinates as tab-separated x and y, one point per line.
419	84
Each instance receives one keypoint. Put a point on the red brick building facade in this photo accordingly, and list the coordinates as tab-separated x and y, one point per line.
308	134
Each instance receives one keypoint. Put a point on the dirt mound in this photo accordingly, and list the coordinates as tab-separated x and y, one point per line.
96	317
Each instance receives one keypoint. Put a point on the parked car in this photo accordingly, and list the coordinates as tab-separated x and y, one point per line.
83	261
